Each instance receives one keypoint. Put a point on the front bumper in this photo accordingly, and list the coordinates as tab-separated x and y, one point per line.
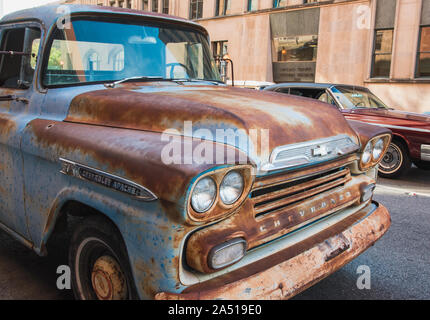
288	278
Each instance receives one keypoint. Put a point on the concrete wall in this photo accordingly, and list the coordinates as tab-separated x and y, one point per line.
249	44
343	45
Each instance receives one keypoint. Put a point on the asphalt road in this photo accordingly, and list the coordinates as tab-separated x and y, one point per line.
399	262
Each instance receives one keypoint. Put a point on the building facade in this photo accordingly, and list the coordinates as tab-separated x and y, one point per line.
381	44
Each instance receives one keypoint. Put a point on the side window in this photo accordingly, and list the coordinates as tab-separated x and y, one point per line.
327	98
284	90
306	92
18	57
296	92
331	100
323	97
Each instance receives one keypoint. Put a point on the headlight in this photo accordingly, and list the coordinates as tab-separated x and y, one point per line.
204	195
378	149
218	193
231	187
374	151
367	154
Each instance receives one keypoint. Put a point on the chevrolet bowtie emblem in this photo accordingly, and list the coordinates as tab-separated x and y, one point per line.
320	151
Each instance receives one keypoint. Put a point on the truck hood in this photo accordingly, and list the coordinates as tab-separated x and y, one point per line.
208	109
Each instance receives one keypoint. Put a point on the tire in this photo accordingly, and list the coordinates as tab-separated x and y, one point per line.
99	263
396	161
423	165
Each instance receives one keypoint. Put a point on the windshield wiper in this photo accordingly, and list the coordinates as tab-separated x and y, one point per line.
154	78
138	78
217	82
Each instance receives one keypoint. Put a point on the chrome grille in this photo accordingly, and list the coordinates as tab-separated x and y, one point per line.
285	194
309	153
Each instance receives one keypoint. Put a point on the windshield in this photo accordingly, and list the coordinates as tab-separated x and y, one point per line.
97	51
357	98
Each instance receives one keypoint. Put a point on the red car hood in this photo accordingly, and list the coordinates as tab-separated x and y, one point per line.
393	117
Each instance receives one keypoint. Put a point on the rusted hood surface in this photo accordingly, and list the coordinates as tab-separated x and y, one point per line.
159	108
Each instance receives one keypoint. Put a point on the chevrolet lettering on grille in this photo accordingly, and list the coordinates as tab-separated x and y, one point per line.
306	215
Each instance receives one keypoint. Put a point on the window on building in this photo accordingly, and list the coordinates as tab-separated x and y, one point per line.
382	53
165	6
424	53
423	58
279	3
145	5
252	5
196	9
128	4
112	3
296	48
295	45
220	49
121	3
154	7
223	7
383	38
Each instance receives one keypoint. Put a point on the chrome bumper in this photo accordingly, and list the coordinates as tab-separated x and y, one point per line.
425	152
288	278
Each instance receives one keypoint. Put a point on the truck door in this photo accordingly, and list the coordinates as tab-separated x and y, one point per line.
18	56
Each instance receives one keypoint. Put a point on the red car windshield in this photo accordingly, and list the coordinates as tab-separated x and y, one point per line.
357	98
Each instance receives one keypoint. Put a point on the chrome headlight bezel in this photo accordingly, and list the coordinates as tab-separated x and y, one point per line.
368	158
219	209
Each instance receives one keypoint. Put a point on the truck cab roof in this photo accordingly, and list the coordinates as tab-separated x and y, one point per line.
49	14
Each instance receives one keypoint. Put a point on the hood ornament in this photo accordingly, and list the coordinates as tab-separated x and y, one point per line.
321	151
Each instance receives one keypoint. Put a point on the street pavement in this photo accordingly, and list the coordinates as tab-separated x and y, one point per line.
399	262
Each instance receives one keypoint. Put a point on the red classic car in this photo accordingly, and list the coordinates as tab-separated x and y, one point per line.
411	131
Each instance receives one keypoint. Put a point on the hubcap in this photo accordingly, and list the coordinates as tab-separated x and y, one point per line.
108	280
392	160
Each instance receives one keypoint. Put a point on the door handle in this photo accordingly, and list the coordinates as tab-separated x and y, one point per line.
14	98
6	98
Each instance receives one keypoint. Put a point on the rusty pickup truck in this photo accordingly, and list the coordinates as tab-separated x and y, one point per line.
116	128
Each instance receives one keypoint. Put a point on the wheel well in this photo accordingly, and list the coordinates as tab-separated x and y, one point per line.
70	215
399	139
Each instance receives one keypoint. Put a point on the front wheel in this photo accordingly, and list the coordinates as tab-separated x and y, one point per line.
423	165
99	263
396	161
